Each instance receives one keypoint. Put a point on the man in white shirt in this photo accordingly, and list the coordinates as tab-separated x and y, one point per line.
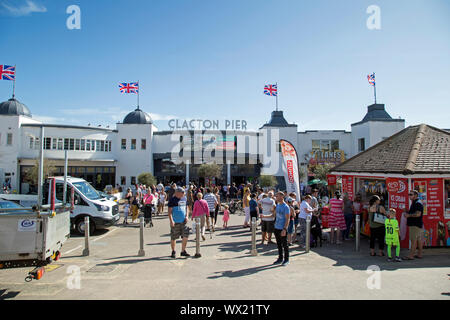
267	204
305	210
211	199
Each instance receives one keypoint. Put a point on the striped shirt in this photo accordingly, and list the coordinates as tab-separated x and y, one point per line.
211	199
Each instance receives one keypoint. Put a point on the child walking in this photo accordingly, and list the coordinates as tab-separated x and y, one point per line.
226	216
392	238
126	209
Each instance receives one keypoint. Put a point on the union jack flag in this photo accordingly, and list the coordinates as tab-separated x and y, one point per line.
270	90
132	87
371	78
7	72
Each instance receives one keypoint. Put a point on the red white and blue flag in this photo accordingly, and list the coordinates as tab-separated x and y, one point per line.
132	87
7	72
371	78
271	89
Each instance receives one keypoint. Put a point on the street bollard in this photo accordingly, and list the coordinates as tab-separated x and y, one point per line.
308	234
141	252
358	231
254	252
86	236
197	239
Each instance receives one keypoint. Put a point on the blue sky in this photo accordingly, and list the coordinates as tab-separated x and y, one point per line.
208	59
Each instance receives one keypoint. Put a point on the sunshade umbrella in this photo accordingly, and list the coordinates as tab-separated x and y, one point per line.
315	181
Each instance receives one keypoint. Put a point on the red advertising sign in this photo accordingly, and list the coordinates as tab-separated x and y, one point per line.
431	195
347	186
331	179
290	170
398	199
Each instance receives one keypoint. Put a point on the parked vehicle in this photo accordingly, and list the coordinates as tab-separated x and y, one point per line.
102	212
108	196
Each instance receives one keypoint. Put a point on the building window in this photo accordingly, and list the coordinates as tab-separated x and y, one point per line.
93	145
124	144
37	144
9	139
31	143
88	145
60	143
54	142
77	144
361	144
102	145
47	143
109	146
324	145
133	181
123	181
143	144
98	146
83	145
133	144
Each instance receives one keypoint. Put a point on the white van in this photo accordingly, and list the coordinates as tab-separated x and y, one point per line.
102	212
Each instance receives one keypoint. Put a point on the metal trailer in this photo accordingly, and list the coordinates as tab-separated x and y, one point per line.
28	236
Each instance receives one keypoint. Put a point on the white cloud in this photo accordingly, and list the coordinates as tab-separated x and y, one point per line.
25	9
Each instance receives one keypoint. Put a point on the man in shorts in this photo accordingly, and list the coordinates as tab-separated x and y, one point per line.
178	217
415	225
268	206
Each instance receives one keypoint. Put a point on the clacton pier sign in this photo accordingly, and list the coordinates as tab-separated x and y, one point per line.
199	124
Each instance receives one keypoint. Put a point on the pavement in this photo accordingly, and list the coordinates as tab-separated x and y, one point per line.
226	270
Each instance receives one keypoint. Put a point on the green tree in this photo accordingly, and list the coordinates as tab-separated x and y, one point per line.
146	178
32	175
266	181
210	171
321	171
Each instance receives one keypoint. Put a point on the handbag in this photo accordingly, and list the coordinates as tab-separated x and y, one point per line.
378	218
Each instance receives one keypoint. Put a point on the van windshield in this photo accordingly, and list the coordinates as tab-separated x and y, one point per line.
86	189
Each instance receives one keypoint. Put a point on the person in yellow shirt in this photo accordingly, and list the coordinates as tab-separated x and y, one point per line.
246	206
392	237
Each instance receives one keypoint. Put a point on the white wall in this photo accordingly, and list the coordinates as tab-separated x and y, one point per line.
131	163
373	132
8	154
272	160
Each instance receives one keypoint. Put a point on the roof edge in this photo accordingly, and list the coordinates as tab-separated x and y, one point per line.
411	162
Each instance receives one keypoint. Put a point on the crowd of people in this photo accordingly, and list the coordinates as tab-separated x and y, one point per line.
280	214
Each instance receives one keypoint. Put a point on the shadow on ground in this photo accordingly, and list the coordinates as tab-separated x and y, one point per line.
5	294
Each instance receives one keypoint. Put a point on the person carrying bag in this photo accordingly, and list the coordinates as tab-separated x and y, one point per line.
376	222
148	206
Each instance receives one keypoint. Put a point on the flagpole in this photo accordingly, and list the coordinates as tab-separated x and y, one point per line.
375	88
138	96
14	82
276	97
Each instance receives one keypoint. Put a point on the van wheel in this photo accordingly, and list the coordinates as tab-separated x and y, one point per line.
79	226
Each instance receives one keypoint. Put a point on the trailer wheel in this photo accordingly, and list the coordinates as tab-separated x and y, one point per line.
79	226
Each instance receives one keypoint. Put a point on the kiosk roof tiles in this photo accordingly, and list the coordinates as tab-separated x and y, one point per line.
414	150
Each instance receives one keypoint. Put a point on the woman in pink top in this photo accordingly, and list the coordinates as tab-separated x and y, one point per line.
336	219
201	210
